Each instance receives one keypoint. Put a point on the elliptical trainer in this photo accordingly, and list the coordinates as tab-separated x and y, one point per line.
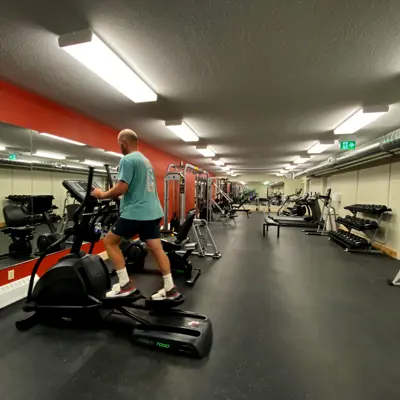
75	287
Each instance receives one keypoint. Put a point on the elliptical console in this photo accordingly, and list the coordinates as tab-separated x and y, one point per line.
75	288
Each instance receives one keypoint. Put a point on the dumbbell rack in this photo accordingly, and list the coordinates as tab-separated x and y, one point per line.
363	245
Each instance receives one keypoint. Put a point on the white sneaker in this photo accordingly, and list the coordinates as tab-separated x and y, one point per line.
173	294
118	291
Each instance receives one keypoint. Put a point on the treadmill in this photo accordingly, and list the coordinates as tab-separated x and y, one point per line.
306	221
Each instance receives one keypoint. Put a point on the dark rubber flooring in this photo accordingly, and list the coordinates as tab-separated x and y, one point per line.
294	318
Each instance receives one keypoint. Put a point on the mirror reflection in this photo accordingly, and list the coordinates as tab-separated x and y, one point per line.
36	207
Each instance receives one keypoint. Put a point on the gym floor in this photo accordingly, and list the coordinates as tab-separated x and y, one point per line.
294	318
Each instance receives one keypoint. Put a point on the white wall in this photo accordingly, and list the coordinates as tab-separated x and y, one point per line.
24	181
371	185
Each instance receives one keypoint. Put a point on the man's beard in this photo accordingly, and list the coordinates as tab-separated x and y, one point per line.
124	150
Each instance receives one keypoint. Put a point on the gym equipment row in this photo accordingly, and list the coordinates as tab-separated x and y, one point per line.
73	291
318	222
352	242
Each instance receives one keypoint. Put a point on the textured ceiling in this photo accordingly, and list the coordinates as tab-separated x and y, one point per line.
259	80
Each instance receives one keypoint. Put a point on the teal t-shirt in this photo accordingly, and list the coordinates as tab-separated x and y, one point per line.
141	201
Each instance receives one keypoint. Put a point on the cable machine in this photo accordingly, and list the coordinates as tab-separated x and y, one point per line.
178	174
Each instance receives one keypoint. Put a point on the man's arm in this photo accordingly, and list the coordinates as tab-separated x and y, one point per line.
116	191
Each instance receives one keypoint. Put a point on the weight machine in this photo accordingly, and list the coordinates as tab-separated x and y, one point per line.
177	175
200	232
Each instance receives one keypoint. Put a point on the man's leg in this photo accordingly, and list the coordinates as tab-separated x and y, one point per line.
111	243
150	233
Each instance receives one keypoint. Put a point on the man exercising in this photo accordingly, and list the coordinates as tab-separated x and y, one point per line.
140	214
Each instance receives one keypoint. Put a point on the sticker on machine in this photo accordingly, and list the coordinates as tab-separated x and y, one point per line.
194	324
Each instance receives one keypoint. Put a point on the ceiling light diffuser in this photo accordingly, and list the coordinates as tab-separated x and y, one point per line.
320	147
182	130
61	139
360	119
113	153
205	151
301	160
75	166
93	163
86	47
46	154
218	162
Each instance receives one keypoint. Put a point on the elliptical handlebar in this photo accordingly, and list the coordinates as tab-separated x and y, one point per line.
87	196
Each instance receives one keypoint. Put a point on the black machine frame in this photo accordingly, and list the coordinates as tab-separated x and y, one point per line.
74	288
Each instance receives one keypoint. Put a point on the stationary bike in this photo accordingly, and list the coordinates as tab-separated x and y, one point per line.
74	290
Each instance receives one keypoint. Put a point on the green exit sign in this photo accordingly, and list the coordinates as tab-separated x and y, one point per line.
12	157
347	145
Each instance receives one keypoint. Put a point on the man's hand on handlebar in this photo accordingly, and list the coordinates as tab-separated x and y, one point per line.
97	193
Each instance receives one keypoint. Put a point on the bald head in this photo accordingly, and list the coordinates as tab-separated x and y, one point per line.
128	141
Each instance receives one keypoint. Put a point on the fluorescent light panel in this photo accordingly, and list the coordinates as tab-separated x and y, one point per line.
205	151
93	163
113	153
360	119
86	47
320	147
301	160
218	162
182	130
47	154
75	166
61	139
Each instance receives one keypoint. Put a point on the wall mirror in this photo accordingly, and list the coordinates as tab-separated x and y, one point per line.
36	206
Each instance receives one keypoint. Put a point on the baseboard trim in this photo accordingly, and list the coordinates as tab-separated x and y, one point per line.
14	291
387	250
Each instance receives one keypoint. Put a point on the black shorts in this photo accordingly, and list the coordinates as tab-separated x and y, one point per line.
128	228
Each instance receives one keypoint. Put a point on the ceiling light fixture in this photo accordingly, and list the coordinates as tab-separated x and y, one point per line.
283	171
205	151
113	153
242	183
2	148
320	147
278	174
75	166
226	168
181	129
86	47
360	119
218	162
61	139
301	160
291	167
93	163
47	154
266	183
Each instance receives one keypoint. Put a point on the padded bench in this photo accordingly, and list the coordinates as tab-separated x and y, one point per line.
270	222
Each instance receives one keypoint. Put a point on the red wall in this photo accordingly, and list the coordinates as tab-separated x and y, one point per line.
22	108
